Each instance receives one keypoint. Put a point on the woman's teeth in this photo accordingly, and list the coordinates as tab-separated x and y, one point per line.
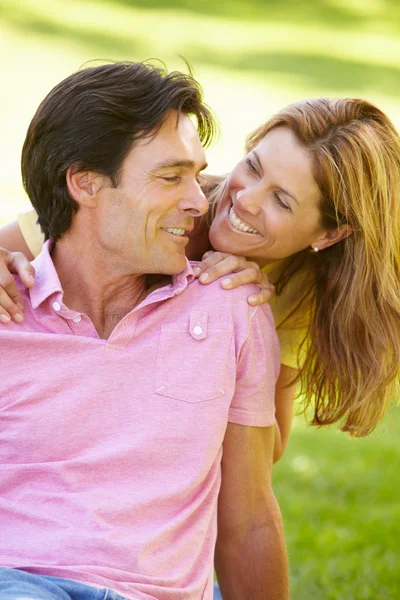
239	224
174	230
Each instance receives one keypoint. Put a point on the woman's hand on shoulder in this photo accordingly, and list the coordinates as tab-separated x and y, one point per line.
11	301
239	270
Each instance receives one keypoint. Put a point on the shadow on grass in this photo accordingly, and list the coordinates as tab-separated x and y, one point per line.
98	42
288	11
316	71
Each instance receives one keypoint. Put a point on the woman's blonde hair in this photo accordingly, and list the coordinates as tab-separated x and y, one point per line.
352	358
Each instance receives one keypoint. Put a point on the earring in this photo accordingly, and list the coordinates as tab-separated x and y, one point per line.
315	249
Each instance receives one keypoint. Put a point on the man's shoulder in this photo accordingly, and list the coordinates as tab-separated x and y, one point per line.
228	305
233	297
223	295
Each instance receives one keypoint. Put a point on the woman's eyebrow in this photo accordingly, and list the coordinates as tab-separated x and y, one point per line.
257	159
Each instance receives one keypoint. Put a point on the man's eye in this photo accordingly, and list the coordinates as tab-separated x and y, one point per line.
174	179
251	166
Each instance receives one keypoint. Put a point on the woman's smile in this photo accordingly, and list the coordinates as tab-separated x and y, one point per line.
238	224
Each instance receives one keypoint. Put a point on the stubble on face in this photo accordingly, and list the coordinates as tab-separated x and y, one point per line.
157	191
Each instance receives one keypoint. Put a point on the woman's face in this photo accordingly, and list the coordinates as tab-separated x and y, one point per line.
270	207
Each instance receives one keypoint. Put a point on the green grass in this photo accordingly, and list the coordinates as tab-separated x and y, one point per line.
340	505
338	496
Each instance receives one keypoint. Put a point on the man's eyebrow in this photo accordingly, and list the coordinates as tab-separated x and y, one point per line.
186	164
257	159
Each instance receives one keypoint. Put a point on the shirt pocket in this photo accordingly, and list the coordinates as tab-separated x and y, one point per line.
192	361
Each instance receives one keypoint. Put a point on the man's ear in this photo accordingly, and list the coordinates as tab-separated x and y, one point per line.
332	236
83	186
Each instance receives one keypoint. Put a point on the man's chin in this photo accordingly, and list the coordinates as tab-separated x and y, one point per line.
177	270
174	267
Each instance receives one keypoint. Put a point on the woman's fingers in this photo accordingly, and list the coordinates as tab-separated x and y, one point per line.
239	271
9	309
262	297
213	253
251	275
218	264
11	301
21	266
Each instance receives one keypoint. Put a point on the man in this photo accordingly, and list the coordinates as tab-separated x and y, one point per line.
137	406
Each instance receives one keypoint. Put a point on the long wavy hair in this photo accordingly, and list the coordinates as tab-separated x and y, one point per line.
351	355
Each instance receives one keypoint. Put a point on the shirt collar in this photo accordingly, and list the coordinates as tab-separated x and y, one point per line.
47	282
182	280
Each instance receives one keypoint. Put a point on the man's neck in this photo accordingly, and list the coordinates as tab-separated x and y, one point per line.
94	285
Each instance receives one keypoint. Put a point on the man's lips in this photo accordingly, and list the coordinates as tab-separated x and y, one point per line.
178	231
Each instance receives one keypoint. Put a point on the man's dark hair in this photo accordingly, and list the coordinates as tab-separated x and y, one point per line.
91	120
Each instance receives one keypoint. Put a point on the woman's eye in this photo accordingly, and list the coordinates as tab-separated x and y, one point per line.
251	166
281	204
174	179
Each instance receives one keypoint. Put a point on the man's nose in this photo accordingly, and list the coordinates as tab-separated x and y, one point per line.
195	203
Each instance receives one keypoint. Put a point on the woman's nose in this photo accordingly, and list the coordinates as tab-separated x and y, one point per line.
249	199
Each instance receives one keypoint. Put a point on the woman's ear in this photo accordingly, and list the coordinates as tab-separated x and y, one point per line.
332	236
83	186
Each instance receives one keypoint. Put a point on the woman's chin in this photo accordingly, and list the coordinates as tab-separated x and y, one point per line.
221	240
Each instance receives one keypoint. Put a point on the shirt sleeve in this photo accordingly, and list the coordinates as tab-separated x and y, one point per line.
253	403
31	231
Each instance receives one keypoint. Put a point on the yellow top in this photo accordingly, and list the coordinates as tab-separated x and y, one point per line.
291	332
293	328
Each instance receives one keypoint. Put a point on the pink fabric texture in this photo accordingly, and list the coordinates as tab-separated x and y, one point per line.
110	449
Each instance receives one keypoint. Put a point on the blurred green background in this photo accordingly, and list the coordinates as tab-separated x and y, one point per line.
339	497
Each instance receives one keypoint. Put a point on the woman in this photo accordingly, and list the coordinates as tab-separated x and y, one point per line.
314	203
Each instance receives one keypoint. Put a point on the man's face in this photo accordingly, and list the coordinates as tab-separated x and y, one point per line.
144	221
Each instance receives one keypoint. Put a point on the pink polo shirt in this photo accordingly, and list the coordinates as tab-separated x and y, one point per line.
110	450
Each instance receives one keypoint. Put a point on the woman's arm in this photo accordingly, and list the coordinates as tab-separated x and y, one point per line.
11	238
284	398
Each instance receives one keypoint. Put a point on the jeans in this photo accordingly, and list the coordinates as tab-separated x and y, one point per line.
20	585
217	593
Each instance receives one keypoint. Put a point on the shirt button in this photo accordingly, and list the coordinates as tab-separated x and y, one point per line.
56	306
77	319
124	325
197	330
